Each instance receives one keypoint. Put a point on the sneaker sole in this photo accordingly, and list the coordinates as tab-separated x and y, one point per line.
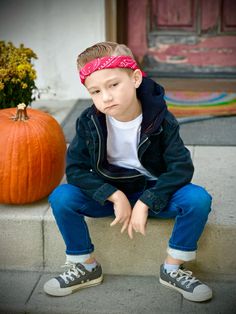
188	295
61	292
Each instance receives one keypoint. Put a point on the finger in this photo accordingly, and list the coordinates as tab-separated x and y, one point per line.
115	221
143	230
130	231
125	225
135	228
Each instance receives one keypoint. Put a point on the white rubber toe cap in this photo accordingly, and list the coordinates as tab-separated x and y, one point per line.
52	287
201	293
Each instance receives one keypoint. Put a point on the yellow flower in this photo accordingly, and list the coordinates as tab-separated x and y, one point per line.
20	67
24	85
32	75
3	74
1	86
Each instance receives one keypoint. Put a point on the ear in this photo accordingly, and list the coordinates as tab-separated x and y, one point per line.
137	78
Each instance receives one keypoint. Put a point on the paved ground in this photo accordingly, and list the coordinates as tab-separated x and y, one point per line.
218	131
22	292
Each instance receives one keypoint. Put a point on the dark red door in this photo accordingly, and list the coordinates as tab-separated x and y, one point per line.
184	37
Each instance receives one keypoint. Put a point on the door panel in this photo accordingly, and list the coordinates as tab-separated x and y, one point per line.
228	16
210	12
173	14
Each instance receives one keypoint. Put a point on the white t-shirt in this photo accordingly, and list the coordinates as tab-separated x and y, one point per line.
122	143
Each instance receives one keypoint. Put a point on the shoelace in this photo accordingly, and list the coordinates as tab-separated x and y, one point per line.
72	273
184	276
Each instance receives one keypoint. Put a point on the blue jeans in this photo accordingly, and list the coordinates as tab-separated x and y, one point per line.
190	206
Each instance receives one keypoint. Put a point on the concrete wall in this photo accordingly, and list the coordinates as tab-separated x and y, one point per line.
57	31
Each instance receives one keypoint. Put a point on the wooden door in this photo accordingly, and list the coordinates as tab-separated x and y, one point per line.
184	37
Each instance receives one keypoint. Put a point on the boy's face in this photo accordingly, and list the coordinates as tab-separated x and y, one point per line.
113	92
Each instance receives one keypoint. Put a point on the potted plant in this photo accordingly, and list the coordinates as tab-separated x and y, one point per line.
17	75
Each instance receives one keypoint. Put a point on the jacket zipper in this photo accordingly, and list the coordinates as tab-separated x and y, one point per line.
99	155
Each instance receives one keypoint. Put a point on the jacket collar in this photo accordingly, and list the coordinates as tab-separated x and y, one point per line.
154	106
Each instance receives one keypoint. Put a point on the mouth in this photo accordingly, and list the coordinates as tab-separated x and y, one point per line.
110	107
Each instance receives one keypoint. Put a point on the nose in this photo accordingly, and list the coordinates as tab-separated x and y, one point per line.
106	96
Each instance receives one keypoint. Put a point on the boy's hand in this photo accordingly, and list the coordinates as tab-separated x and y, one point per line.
122	209
138	219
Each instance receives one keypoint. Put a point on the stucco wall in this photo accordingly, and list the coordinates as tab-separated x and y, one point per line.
57	31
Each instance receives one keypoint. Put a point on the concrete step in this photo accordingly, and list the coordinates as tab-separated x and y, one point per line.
22	292
30	240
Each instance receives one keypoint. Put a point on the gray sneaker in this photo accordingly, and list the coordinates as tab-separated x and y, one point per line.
75	278
182	280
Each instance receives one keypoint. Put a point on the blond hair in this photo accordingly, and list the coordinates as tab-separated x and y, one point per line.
102	49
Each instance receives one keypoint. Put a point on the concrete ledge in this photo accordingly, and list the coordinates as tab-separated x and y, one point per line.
143	255
215	170
21	240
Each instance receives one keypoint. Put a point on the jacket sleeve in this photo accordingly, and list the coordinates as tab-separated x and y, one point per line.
79	170
179	169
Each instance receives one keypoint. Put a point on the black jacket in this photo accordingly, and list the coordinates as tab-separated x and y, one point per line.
161	151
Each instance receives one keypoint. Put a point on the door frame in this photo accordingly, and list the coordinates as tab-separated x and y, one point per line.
116	10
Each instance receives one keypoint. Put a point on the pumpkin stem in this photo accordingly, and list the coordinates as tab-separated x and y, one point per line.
21	114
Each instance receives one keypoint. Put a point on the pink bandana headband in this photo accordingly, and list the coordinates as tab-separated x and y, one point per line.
110	62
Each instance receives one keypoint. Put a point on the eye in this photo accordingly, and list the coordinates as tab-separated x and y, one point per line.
114	84
95	92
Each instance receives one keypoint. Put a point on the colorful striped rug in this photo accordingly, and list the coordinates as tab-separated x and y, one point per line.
190	104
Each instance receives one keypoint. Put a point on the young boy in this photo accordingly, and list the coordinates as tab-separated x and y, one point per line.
128	160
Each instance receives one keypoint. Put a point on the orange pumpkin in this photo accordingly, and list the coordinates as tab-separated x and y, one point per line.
32	155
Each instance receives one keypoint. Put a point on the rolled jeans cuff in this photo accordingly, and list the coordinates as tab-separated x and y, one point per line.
185	256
